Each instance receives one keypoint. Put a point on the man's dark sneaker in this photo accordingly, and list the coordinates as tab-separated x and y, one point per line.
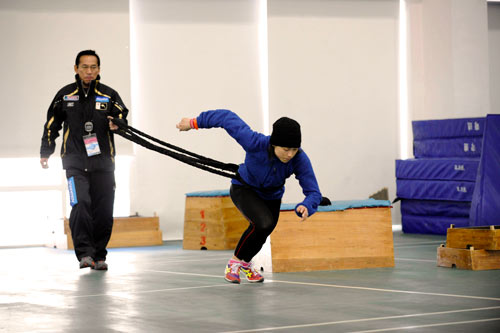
87	262
100	265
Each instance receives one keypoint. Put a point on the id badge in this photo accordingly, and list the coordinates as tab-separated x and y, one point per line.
91	144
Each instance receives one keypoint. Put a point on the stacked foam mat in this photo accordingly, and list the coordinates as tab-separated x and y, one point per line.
436	187
485	206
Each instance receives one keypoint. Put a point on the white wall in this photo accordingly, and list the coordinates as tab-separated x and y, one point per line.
494	53
448	57
333	67
190	56
345	101
40	40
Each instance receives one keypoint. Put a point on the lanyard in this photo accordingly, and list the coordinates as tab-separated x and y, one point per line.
89	124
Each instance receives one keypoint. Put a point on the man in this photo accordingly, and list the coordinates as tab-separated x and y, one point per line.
85	107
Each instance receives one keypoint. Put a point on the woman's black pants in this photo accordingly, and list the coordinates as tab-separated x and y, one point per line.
263	216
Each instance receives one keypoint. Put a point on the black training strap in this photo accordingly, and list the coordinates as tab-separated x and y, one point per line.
223	169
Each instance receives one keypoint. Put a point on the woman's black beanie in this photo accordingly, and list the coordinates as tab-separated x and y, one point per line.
286	133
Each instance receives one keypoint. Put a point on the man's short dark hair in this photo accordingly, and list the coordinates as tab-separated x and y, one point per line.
87	53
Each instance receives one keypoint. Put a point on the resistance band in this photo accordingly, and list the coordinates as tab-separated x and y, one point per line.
223	169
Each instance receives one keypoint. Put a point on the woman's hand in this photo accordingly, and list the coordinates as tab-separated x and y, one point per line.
184	124
303	211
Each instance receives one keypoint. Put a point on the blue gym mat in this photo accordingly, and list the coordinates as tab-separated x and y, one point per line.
434	189
485	208
335	206
345	204
450	147
438	169
213	193
431	224
435	208
447	128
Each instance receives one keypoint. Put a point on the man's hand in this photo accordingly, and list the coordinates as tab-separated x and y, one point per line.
184	124
44	162
303	211
112	126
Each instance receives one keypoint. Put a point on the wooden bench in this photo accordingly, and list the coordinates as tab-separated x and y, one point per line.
128	232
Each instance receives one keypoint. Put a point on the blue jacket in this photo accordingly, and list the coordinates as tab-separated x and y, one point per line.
262	170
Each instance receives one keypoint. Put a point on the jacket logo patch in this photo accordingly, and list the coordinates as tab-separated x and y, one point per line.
101	106
102	99
71	97
70	104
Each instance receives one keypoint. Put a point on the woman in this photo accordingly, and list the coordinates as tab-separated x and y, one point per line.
257	193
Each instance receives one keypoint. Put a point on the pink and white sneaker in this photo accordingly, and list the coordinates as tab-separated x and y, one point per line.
233	271
250	272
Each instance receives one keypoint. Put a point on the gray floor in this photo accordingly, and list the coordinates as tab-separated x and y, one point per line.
167	289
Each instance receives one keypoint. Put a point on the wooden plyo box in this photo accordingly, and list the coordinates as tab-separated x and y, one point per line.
347	239
474	248
468	258
212	223
128	232
484	238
